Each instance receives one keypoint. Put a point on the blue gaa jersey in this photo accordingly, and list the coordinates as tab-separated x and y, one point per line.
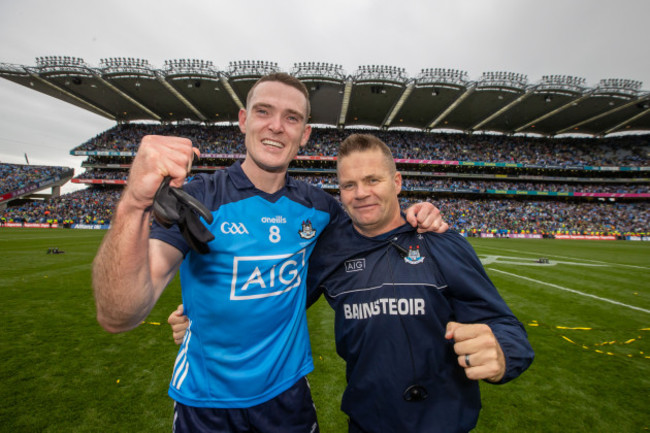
247	341
391	312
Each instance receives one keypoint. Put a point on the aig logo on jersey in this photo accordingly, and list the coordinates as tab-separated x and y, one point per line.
255	277
228	228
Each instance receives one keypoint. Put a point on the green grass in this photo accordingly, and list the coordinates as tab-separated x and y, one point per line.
61	372
598	381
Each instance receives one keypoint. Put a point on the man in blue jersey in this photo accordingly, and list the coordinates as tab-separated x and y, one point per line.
417	319
243	362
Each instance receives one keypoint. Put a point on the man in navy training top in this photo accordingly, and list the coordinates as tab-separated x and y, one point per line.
417	319
243	363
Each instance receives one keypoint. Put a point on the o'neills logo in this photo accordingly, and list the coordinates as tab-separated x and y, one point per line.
275	220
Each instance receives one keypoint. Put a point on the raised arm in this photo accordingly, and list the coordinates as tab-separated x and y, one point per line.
130	271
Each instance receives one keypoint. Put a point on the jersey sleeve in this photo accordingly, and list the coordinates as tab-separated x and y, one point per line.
332	245
475	299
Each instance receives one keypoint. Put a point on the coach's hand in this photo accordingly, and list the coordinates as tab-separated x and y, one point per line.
179	324
426	217
158	156
477	344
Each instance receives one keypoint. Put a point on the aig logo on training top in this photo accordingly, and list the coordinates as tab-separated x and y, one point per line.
355	265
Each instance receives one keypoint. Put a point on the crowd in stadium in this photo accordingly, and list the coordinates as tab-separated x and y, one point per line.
482	185
14	177
615	151
93	173
551	217
94	205
445	183
87	206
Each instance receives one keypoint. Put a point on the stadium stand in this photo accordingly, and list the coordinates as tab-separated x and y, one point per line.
628	150
29	181
547	218
518	167
484	184
89	206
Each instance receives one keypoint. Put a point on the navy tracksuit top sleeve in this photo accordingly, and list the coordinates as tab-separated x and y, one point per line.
475	299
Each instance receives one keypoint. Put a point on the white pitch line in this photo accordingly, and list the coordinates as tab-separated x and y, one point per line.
572	291
565	257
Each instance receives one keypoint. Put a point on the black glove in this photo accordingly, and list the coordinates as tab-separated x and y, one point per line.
175	206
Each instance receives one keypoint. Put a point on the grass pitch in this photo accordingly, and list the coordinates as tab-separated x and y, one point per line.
587	313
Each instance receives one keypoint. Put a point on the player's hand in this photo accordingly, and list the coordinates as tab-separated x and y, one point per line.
426	217
179	324
486	359
158	156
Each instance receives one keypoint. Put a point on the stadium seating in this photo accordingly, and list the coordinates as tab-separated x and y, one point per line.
483	183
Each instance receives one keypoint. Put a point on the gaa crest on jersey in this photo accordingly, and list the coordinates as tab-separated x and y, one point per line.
413	257
307	231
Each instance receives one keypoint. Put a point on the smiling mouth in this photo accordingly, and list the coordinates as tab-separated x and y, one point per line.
364	207
272	143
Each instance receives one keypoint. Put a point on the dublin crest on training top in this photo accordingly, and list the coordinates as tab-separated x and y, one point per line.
307	231
414	257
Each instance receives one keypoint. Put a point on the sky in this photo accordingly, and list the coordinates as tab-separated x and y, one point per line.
592	39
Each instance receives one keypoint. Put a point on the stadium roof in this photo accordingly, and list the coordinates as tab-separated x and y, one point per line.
128	89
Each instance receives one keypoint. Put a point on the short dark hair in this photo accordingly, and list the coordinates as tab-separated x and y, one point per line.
364	143
283	78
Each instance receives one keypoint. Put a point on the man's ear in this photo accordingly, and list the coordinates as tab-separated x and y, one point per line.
398	182
242	120
305	135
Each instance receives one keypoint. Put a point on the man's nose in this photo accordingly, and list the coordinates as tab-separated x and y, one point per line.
361	191
275	124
